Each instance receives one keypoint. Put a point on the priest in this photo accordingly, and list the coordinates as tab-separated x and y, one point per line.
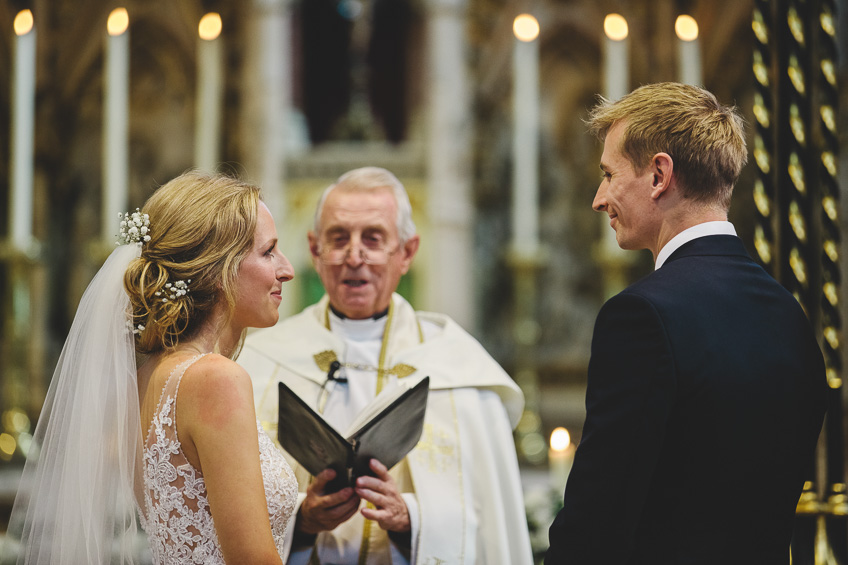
456	498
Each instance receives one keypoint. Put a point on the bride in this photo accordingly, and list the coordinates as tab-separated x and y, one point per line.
147	409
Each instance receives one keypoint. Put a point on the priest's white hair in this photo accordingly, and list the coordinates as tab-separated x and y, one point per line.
374	178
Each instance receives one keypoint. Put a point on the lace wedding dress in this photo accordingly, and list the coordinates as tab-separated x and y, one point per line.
176	513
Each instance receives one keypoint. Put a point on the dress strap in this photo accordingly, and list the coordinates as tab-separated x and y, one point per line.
177	372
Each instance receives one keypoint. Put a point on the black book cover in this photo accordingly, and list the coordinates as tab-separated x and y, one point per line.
387	437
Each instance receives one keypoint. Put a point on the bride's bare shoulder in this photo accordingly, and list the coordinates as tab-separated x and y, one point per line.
216	389
215	367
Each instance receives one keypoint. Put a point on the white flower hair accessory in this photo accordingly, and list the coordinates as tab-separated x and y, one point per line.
135	228
135	329
175	290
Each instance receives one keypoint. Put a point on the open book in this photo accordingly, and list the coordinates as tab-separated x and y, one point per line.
387	429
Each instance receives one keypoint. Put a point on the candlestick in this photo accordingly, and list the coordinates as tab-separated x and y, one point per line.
560	458
688	50
116	122
525	146
23	132
208	107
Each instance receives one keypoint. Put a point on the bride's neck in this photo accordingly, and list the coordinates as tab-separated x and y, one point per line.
216	336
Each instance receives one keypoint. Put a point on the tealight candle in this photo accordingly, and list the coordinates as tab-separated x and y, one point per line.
560	458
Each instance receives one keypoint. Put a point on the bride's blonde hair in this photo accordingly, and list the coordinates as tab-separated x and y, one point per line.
201	228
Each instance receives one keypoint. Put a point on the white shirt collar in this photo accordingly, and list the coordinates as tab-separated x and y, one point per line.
687	235
368	329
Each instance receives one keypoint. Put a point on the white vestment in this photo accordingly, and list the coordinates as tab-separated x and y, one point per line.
461	482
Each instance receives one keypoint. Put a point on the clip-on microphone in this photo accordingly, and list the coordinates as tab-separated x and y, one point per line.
331	374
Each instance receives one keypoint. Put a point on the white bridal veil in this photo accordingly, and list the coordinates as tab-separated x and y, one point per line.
75	501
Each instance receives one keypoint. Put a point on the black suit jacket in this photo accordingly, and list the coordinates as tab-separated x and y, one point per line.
706	394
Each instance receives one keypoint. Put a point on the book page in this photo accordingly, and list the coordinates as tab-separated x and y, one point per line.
380	402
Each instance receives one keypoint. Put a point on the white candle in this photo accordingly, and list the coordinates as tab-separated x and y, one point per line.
616	70
116	122
688	51
616	65
560	458
207	127
23	132
525	146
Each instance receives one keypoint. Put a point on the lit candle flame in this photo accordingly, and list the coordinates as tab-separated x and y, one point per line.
118	22
560	439
615	27
686	28
23	22
525	27
7	446
210	26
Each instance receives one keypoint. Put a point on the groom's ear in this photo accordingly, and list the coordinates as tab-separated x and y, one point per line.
662	170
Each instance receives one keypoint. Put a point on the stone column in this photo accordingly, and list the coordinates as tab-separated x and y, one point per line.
267	98
266	91
449	275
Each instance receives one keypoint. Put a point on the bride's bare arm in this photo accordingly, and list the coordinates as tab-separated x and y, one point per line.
217	426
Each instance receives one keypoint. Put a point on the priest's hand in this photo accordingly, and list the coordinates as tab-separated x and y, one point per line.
321	512
389	510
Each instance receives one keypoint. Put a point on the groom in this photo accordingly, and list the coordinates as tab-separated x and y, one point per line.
706	385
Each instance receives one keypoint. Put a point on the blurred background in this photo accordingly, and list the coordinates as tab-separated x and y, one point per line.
480	115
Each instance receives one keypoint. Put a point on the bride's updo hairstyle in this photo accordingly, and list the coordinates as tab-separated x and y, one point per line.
201	228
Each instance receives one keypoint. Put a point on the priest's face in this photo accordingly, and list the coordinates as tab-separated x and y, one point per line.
357	251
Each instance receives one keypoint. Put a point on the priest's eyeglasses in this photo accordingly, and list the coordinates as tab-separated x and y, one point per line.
371	252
